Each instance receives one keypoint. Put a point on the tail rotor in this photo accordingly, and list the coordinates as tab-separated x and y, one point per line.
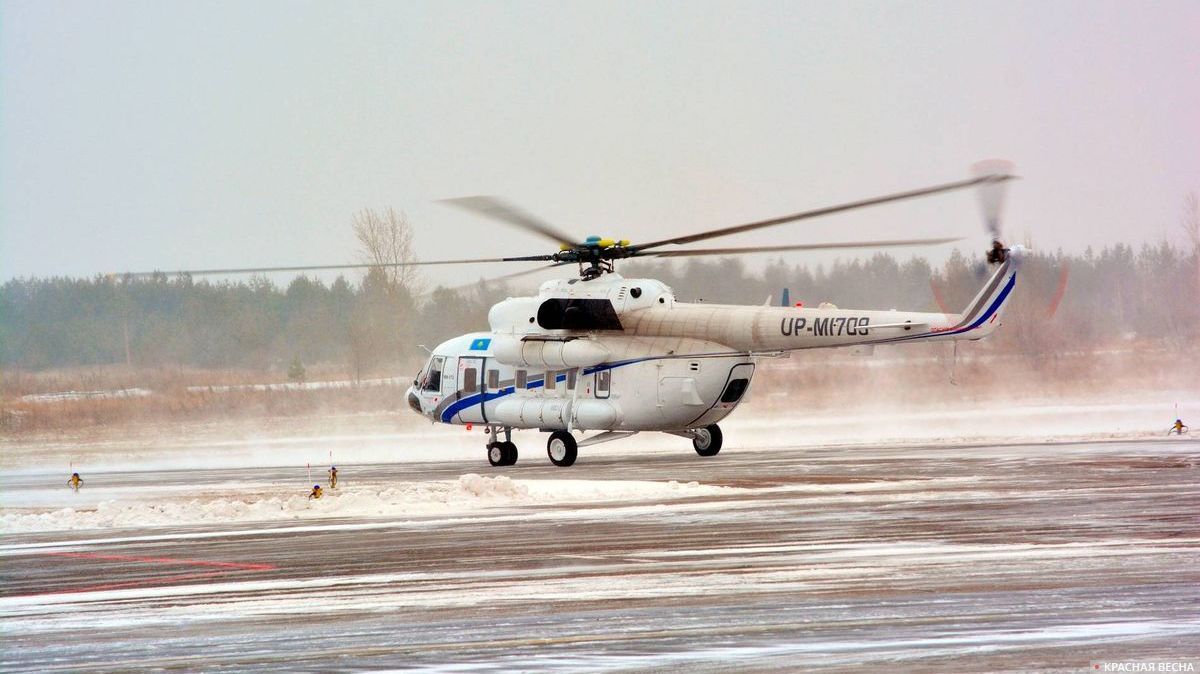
991	191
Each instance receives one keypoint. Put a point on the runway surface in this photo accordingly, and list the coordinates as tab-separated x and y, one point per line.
974	558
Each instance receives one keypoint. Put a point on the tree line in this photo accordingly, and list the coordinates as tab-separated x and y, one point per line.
374	325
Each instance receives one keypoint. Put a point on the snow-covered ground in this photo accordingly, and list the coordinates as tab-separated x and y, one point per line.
36	497
401	437
176	505
104	394
302	385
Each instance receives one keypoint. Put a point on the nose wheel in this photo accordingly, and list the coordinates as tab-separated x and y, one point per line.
501	453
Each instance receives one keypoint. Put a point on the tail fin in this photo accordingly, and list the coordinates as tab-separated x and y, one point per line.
786	301
983	313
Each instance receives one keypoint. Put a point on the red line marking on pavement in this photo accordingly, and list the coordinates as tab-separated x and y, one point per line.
165	560
224	568
152	582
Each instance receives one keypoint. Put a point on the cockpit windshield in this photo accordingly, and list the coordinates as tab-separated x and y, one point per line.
430	378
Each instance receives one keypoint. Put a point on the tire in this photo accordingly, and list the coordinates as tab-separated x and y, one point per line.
562	449
510	453
496	454
708	440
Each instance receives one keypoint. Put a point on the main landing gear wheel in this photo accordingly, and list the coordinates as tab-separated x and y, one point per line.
502	453
707	440
562	448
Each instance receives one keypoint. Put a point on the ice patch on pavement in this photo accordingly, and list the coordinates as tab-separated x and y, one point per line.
469	493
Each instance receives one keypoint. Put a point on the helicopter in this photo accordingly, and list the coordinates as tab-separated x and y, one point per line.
618	356
621	356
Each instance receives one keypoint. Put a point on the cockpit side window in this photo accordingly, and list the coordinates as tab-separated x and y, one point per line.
433	378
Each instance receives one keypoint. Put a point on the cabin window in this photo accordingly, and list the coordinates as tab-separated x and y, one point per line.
493	379
470	382
603	383
735	389
433	380
551	375
521	380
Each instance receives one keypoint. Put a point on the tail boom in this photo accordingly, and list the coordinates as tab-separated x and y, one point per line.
758	329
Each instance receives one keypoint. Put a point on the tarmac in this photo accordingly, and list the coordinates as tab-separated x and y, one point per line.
953	558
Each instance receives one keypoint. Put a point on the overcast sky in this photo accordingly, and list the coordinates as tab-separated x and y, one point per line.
167	135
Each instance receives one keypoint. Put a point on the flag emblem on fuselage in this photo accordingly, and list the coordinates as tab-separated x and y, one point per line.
481	344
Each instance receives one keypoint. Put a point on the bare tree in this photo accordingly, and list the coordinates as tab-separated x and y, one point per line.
1191	219
385	238
381	325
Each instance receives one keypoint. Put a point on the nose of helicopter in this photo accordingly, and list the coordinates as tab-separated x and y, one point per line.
413	401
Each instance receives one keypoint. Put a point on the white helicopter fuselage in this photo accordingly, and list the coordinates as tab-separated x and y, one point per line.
616	354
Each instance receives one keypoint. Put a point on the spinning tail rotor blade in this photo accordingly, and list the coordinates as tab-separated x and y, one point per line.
803	246
497	209
993	173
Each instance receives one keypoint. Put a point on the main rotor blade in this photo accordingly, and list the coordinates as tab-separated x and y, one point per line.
505	277
318	267
804	215
495	208
802	246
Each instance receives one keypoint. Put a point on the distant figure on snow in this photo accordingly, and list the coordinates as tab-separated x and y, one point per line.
333	477
75	482
1178	428
316	492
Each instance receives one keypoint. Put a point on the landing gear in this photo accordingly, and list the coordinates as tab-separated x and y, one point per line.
707	440
562	448
502	453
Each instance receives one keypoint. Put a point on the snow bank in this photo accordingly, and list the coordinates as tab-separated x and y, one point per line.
302	385
468	493
68	396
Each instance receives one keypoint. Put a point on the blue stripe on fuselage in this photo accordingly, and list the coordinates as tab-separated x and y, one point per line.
478	398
